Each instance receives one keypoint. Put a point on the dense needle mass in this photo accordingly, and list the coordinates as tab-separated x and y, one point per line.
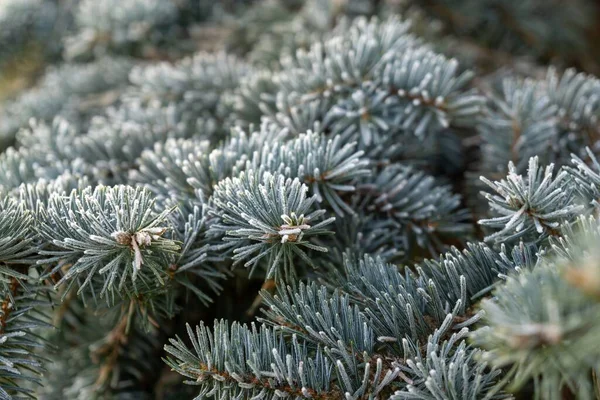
284	199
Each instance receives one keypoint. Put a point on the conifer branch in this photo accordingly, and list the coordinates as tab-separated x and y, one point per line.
113	240
530	209
268	216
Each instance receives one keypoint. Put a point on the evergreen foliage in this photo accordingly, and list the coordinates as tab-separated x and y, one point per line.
413	187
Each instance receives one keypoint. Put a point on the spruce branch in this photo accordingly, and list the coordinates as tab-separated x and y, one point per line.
413	304
115	25
359	235
268	216
234	361
161	169
519	123
329	168
331	321
61	91
530	209
114	141
448	369
411	202
197	87
371	78
35	196
195	82
109	237
225	362
16	168
334	328
197	268
543	322
323	318
255	93
229	158
20	321
51	142
577	98
21	303
344	59
587	178
432	90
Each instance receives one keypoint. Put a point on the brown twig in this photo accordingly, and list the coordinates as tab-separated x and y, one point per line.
268	285
115	340
7	304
